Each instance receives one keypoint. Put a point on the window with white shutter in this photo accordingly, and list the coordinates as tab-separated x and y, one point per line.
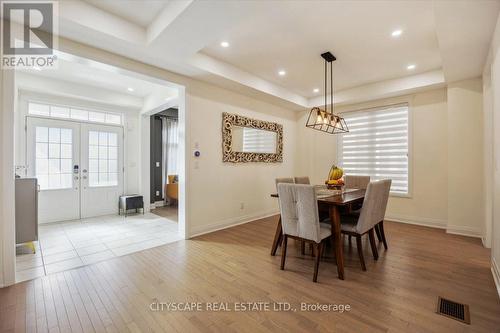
377	145
258	141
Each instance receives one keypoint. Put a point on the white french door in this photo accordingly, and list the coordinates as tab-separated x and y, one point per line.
102	169
79	168
53	150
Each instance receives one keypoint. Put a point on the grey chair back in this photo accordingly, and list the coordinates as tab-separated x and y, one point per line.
360	182
299	211
302	180
283	180
374	205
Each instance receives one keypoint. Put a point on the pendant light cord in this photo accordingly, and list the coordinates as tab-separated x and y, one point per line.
326	64
331	86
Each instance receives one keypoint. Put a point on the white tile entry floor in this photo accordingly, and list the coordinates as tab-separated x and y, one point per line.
66	245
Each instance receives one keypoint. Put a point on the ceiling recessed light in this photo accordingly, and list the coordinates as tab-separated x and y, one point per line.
410	67
224	44
316	90
130	89
397	33
282	73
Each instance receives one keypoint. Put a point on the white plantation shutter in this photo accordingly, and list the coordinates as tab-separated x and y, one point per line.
258	141
377	145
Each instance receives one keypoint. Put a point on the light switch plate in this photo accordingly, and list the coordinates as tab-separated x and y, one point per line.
157	164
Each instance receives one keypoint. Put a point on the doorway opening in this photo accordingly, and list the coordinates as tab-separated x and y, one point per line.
164	176
82	140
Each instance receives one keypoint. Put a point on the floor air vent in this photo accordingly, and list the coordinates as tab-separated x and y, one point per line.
453	310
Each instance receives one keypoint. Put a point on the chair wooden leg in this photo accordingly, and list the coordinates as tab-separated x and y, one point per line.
278	237
311	247
382	233
283	251
332	243
377	232
350	240
302	247
372	244
318	249
360	252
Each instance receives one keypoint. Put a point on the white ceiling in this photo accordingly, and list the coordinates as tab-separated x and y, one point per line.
447	40
138	12
86	74
293	35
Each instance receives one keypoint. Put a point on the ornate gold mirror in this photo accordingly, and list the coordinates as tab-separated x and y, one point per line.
250	140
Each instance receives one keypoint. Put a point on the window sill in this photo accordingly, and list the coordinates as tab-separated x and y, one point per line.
401	195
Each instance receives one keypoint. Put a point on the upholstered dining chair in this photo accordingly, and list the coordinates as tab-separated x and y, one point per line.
302	180
372	213
300	220
283	180
360	182
357	182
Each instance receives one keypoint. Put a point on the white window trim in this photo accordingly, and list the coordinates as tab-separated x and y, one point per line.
68	106
408	195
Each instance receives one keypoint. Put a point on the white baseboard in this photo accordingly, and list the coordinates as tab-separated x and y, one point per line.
436	223
485	243
422	221
496	274
463	231
205	229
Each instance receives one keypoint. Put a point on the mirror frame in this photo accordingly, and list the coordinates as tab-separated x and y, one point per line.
228	155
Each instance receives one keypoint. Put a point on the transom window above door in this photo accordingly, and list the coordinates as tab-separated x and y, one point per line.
78	114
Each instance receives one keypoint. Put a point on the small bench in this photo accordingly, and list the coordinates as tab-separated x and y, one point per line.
132	201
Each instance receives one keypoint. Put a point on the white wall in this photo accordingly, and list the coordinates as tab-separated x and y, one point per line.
465	158
7	211
495	239
218	189
488	156
492	68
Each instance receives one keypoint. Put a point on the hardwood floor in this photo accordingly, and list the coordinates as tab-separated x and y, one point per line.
398	293
169	212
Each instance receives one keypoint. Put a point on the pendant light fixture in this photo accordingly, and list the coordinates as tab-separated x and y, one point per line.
324	120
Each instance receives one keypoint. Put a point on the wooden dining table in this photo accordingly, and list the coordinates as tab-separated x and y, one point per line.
333	203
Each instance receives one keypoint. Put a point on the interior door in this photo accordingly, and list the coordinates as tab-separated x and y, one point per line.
53	157
101	169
